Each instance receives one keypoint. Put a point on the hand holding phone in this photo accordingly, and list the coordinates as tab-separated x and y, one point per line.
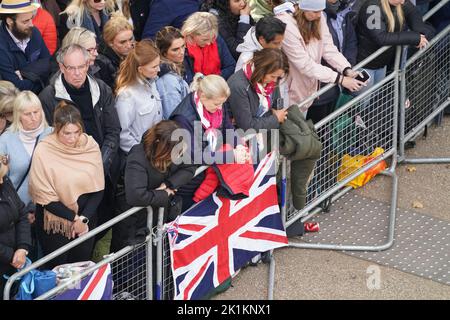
363	76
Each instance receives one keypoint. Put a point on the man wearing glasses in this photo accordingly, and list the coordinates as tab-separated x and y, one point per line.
91	96
95	101
24	55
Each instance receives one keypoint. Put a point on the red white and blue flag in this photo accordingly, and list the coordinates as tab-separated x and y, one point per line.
218	236
96	286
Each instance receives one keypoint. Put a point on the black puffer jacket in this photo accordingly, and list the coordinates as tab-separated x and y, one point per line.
109	63
14	227
372	39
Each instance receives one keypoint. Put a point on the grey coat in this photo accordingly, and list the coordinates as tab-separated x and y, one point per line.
244	104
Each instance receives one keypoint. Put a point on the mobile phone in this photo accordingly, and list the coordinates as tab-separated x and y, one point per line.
364	76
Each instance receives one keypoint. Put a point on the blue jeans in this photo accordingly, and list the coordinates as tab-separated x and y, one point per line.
376	75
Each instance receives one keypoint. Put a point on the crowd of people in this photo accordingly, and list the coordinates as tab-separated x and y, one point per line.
92	93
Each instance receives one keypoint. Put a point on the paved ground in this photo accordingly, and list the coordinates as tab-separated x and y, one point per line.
318	274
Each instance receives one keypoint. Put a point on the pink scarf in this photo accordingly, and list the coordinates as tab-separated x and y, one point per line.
210	121
264	92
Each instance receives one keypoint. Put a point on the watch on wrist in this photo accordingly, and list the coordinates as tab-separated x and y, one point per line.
84	220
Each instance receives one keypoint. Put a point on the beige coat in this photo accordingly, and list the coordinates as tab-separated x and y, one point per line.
305	60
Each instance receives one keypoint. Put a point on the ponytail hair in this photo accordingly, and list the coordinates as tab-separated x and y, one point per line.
212	86
390	16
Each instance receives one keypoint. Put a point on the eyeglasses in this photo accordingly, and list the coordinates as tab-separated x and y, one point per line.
73	69
92	50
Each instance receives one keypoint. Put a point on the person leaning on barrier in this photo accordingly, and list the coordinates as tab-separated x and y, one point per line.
306	42
204	118
66	184
151	179
390	29
15	234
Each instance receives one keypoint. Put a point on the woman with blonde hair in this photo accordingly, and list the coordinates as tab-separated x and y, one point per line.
398	23
66	184
206	52
86	39
118	41
201	114
137	99
172	87
89	14
20	140
306	42
8	93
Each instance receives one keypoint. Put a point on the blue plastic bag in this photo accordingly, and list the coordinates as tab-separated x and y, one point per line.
35	283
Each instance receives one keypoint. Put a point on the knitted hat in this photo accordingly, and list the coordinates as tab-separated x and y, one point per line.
18	6
312	5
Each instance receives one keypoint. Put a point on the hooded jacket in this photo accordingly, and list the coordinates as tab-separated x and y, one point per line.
247	48
300	144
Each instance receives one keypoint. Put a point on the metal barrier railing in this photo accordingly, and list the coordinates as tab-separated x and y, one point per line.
425	91
373	123
131	266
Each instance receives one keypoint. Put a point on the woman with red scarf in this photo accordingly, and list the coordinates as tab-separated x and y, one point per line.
207	52
254	91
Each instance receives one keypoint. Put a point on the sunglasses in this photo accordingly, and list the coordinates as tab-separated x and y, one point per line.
98	1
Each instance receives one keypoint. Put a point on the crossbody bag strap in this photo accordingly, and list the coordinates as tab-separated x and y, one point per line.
29	165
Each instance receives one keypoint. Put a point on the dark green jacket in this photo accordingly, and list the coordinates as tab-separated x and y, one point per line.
300	144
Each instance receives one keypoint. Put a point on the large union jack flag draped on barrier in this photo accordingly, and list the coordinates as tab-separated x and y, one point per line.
214	239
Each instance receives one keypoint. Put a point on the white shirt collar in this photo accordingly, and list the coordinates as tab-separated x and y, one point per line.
22	44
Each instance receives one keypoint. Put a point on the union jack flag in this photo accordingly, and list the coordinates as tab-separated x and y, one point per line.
218	236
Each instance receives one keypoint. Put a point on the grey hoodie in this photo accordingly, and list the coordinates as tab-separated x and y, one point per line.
250	45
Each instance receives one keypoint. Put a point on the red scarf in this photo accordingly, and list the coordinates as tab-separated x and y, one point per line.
206	59
264	92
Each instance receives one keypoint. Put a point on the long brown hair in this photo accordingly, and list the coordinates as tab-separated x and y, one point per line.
308	29
164	39
158	144
267	61
143	53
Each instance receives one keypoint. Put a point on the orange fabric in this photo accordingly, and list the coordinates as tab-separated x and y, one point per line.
44	22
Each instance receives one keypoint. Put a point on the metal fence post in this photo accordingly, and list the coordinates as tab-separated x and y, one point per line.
150	266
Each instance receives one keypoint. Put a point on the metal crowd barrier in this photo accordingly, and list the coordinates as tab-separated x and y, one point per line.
370	120
425	91
131	267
